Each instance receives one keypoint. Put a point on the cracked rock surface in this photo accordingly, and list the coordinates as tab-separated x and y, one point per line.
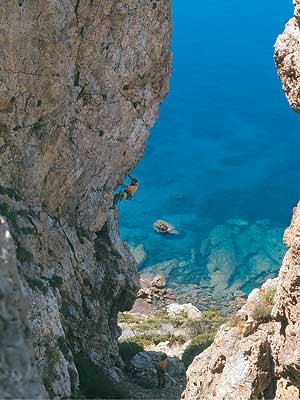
80	86
18	376
287	58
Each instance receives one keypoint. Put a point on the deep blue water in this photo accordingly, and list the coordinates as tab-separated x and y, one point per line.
226	144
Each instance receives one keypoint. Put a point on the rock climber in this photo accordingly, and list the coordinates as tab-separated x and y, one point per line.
161	368
128	191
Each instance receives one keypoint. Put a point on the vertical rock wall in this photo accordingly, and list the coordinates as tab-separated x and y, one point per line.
287	58
18	376
80	86
286	349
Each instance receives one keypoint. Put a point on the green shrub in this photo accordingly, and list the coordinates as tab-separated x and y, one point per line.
28	231
197	345
129	318
128	349
12	193
22	254
53	358
236	320
62	343
148	339
262	312
268	295
209	321
155	321
81	234
55	281
37	284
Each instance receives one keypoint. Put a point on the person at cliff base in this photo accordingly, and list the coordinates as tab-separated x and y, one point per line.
161	368
127	193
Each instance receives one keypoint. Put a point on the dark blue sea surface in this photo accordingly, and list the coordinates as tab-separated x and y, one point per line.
225	148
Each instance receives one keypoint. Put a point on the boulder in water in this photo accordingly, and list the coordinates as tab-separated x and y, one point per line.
164	227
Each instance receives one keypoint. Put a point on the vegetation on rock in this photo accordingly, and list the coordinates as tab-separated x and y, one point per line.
197	345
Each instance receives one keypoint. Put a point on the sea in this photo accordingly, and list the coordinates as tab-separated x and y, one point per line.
221	164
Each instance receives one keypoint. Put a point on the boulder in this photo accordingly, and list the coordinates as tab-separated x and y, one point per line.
158	282
191	311
144	367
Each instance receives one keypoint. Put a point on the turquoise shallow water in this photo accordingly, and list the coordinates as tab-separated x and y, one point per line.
225	147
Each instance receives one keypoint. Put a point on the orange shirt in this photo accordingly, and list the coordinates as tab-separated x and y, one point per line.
162	364
131	189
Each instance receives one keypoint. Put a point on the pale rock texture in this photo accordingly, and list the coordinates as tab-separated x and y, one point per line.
153	295
257	355
80	85
18	375
287	58
191	311
287	308
232	368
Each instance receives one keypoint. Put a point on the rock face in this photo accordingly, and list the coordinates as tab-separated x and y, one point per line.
287	311
80	85
287	58
18	376
257	353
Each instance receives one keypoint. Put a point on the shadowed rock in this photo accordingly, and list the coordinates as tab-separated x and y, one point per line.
18	377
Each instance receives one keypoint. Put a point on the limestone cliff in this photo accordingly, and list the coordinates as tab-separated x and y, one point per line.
80	85
18	377
287	58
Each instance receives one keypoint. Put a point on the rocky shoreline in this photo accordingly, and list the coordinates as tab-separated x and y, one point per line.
233	259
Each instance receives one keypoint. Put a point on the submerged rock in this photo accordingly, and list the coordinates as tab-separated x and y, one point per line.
139	253
238	254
